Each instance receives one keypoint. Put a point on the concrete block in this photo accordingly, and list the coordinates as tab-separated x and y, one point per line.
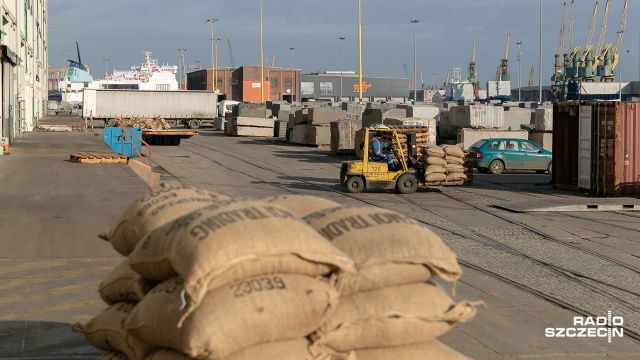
354	109
306	134
516	116
256	122
421	111
343	135
277	107
372	117
468	136
280	129
477	116
301	116
544	139
543	119
251	131
325	115
219	123
252	110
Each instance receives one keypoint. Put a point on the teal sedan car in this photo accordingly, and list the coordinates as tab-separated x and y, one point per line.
500	154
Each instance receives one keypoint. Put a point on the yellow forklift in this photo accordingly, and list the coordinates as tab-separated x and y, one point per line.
356	175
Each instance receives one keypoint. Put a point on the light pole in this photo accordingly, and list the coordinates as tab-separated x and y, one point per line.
519	60
184	71
213	64
341	63
215	45
415	97
293	89
106	70
540	56
262	60
359	52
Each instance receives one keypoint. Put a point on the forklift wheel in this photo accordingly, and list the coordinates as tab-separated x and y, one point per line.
407	183
354	184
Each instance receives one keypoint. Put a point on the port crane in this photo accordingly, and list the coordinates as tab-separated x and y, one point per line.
611	54
558	75
585	70
230	52
570	64
473	72
505	76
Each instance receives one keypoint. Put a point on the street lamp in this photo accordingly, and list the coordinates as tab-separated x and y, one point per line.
519	60
213	65
293	89
215	45
341	63
415	97
540	57
106	72
262	60
184	71
359	52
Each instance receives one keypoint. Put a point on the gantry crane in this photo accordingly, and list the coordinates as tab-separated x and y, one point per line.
473	72
611	54
558	74
505	76
603	27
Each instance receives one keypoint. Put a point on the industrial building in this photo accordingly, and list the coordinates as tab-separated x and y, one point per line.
287	84
23	42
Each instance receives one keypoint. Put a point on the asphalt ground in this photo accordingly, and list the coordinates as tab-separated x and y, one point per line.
533	272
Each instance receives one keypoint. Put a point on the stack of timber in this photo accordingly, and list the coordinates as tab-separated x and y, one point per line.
246	126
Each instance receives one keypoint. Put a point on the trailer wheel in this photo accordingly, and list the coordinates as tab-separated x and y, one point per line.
407	183
354	184
193	123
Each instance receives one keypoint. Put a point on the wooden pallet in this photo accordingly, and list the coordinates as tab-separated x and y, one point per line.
97	158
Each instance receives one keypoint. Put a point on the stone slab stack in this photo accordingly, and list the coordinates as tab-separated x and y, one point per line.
307	134
343	133
247	126
372	117
353	109
219	123
280	129
325	115
420	111
477	116
252	110
301	116
543	131
467	137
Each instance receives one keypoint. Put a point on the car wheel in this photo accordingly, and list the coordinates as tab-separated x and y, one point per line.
496	167
549	168
407	183
354	184
483	170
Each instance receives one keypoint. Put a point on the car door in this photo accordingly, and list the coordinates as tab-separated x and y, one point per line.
510	152
533	158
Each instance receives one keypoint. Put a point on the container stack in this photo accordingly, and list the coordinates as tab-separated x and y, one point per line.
209	277
444	165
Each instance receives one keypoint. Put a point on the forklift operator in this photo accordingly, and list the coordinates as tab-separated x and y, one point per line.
376	154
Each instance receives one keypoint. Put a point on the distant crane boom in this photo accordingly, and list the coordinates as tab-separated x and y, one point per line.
591	28
230	52
532	78
616	48
570	34
603	27
560	49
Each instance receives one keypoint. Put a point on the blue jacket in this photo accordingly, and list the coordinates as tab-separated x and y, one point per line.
376	146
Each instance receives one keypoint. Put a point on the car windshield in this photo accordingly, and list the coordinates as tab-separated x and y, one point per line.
478	143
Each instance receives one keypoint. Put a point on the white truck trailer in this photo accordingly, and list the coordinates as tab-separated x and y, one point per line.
188	108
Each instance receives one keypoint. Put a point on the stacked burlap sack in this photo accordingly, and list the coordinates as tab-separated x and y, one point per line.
287	277
209	277
390	308
443	165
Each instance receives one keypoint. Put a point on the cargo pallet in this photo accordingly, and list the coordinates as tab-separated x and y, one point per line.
96	158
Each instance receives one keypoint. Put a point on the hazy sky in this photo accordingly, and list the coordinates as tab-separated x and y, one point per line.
122	30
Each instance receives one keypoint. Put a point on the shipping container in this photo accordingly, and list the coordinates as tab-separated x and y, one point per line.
596	147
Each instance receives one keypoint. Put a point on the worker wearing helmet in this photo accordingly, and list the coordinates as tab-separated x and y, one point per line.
376	154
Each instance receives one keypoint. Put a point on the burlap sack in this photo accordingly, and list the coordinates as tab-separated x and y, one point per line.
392	316
254	310
124	284
114	355
435	177
228	241
168	354
432	349
434	160
433	150
154	210
434	169
454	160
106	332
454	168
301	205
388	248
455	177
452	183
453	150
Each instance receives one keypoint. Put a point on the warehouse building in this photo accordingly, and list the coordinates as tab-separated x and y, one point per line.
332	86
23	68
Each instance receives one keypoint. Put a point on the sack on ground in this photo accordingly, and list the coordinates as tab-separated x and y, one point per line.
454	168
114	355
248	312
301	205
106	332
435	177
124	284
455	177
154	210
392	316
388	248
432	349
228	241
